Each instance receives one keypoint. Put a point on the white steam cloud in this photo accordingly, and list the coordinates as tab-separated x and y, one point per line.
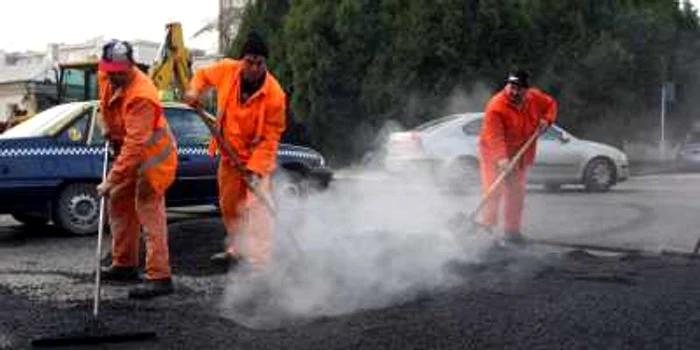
365	243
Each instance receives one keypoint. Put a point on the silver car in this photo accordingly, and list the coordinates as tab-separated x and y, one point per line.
688	156
448	147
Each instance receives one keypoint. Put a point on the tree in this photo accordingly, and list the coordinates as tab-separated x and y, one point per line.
356	64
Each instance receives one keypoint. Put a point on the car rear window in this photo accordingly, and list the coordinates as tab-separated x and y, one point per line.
435	122
473	127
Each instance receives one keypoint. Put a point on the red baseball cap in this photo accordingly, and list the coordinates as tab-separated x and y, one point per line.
112	66
117	56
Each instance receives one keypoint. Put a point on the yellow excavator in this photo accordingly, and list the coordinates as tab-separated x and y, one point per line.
172	70
77	81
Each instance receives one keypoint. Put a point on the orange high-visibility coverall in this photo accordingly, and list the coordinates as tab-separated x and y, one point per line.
253	129
144	168
505	130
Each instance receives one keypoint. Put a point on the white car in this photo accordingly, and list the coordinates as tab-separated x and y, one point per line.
448	147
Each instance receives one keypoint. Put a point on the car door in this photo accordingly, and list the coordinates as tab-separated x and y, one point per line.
35	167
471	131
79	159
556	160
96	142
196	172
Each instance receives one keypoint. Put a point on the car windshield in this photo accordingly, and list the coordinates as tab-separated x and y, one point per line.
40	124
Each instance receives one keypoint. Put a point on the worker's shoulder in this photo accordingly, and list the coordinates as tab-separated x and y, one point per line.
230	62
537	93
141	89
225	64
144	87
273	86
497	102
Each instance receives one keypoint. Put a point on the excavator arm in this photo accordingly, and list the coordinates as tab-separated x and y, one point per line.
171	72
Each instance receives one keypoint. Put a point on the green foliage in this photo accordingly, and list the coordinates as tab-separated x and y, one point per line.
356	64
265	16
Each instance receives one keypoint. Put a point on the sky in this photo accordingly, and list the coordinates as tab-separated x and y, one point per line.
33	24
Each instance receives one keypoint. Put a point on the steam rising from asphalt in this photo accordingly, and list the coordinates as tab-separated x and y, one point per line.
370	241
365	244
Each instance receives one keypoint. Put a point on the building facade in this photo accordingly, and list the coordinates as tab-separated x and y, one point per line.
26	75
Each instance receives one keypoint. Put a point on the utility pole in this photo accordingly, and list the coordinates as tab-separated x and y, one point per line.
662	145
668	94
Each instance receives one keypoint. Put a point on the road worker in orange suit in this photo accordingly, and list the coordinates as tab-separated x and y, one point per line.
512	116
251	113
144	168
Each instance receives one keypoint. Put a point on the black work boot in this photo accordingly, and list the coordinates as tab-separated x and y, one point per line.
120	274
152	288
225	258
484	230
514	239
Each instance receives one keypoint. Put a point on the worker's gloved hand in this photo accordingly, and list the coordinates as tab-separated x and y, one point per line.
104	188
191	98
502	164
253	178
103	127
544	124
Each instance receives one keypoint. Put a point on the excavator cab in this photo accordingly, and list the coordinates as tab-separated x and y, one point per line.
78	81
171	71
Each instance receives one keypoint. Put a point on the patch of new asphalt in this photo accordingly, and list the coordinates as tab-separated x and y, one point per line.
559	299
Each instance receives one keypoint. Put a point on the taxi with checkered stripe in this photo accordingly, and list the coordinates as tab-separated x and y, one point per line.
50	164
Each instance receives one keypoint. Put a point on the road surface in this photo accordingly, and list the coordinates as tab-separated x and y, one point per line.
378	271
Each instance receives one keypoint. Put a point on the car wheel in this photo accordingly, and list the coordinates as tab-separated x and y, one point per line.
30	220
289	184
463	176
77	208
599	175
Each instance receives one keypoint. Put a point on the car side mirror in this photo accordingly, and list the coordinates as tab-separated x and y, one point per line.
563	138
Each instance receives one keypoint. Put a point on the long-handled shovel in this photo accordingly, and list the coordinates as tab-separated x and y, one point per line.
210	122
462	223
95	332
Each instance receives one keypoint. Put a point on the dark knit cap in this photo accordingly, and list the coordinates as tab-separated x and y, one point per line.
255	45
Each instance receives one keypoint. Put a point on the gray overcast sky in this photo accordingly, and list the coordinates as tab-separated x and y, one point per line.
32	24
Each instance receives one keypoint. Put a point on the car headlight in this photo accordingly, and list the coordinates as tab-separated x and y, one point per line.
624	159
620	157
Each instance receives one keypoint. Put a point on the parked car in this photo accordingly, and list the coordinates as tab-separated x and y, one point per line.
50	164
688	156
448	147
